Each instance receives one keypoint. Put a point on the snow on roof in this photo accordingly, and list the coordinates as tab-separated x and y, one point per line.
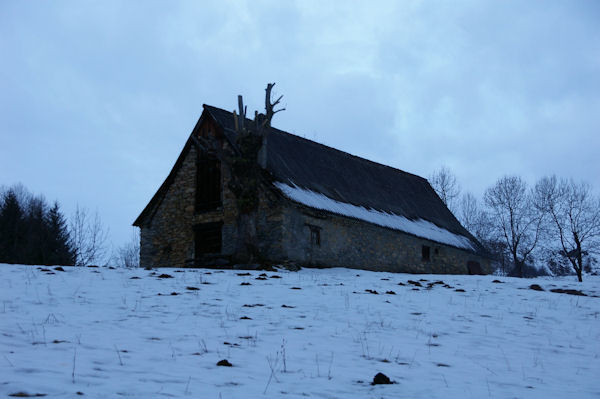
419	227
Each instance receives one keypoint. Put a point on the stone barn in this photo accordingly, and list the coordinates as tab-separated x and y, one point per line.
243	192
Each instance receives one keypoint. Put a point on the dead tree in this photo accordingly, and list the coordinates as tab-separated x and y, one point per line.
270	108
247	161
248	171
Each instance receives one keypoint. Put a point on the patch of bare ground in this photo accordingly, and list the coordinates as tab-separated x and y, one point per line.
568	291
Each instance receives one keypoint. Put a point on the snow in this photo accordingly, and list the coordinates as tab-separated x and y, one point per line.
100	332
420	228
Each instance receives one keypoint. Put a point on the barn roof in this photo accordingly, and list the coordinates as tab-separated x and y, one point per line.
325	178
305	167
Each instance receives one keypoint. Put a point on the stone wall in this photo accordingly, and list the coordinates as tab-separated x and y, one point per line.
347	242
167	236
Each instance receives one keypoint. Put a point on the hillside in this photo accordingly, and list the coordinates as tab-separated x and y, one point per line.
106	332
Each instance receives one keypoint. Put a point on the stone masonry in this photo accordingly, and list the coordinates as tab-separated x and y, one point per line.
347	242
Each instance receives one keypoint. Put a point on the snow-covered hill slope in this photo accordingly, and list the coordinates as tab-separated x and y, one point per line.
315	333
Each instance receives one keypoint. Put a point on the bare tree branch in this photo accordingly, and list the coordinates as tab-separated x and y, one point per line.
269	106
445	185
575	214
514	215
89	237
128	255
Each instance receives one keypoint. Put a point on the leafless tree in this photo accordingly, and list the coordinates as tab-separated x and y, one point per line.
270	106
252	142
247	162
89	237
129	254
474	218
468	212
477	220
445	185
515	218
575	217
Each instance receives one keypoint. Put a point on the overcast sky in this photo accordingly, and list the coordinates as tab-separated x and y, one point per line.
97	98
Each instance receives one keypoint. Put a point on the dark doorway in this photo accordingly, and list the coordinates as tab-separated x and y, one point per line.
207	237
474	267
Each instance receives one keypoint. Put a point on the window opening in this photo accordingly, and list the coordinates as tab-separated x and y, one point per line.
208	184
425	253
315	235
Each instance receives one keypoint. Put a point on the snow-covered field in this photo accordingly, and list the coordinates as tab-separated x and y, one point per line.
315	333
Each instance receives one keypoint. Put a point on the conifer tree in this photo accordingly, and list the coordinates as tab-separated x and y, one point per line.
34	243
11	225
31	232
59	247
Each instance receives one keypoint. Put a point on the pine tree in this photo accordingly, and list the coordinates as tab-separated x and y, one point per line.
11	228
59	246
36	237
31	233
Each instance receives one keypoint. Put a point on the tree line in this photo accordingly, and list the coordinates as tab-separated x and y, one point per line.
552	227
33	232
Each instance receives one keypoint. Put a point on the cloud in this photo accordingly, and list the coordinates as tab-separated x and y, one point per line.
98	97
